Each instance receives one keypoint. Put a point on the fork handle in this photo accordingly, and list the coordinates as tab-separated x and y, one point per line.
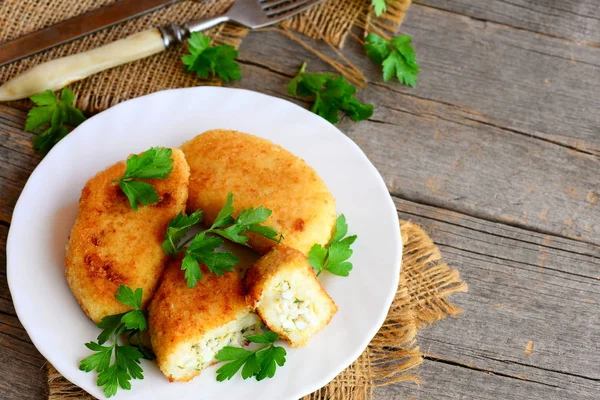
58	73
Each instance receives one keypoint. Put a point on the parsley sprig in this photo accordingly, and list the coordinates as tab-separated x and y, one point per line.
333	258
396	56
261	363
151	164
380	6
203	248
50	118
206	60
126	362
331	94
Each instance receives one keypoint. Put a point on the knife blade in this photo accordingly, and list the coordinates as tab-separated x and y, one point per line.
76	27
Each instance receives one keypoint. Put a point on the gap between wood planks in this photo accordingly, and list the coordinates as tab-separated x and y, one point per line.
474	368
498	222
483	216
488	21
479	121
444	103
444	360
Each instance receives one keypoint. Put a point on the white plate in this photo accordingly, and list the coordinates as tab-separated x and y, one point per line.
47	208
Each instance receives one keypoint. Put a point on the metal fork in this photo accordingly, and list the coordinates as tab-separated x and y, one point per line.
60	72
252	14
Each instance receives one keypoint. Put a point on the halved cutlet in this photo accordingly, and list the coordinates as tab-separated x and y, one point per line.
287	295
260	173
111	244
188	327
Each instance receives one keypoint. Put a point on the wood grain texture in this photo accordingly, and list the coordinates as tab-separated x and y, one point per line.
496	154
527	287
21	365
576	20
438	153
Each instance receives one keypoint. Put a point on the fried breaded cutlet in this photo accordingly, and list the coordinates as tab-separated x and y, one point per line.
260	173
188	327
112	245
284	289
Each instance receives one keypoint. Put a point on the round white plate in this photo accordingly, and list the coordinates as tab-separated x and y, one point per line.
47	208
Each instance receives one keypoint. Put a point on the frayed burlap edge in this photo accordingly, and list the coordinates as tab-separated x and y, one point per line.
393	354
331	21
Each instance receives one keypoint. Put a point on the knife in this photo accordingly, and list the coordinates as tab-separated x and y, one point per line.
58	73
76	27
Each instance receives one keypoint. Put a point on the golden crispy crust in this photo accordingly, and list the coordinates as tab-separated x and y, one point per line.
279	261
111	244
178	314
260	173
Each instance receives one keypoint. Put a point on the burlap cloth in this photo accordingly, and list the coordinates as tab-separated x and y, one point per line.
330	21
425	281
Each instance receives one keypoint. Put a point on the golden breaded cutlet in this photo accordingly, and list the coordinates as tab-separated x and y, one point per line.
287	295
111	244
260	173
189	326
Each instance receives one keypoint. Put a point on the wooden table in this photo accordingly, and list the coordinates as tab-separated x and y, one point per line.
495	153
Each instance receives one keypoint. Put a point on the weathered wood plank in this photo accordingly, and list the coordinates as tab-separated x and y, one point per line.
523	286
446	381
427	152
506	77
17	158
577	20
21	365
500	76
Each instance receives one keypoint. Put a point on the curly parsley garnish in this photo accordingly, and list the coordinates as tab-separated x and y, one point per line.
126	361
203	248
333	258
261	363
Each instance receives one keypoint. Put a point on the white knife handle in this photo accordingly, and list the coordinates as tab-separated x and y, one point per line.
58	73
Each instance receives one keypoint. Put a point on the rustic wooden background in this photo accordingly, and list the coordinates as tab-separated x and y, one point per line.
496	154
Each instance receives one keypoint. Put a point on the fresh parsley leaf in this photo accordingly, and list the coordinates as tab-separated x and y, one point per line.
396	56
178	228
266	231
253	216
126	365
128	297
109	326
207	61
248	220
50	117
135	320
203	248
380	6
139	192
155	163
261	363
268	359
267	337
193	273
317	257
331	94
224	216
334	257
